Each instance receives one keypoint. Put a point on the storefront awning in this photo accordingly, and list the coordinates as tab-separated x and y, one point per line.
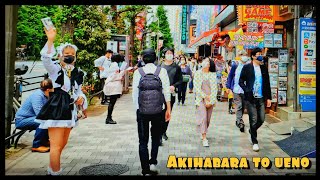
204	38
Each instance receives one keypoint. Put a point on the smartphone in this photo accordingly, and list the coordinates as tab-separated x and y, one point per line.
47	23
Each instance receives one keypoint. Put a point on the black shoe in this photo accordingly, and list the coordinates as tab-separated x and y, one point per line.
103	101
165	137
110	121
241	126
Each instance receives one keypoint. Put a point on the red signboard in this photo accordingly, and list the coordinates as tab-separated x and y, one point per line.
258	13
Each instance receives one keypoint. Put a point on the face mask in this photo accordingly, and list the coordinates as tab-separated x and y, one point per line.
260	58
183	62
244	58
205	64
193	60
68	59
169	57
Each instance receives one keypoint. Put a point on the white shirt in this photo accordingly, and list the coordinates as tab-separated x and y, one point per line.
105	63
53	68
151	68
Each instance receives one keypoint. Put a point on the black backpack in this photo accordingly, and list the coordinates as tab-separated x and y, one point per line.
151	98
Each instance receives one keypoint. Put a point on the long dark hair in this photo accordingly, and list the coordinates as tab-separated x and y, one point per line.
212	67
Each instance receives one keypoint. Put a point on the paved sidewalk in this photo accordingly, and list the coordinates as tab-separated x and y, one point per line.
94	142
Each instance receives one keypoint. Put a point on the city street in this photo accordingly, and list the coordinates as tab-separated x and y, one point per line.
38	70
93	142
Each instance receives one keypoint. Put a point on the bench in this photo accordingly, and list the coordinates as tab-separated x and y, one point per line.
17	133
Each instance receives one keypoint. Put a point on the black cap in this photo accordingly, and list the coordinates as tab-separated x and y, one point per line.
148	55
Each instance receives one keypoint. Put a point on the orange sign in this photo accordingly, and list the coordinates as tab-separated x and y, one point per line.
192	33
258	13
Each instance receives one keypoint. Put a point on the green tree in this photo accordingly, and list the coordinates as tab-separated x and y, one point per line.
30	28
163	27
86	27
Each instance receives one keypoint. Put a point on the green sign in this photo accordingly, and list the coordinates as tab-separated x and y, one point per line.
184	25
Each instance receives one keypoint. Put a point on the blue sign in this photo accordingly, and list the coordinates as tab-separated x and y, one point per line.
308	102
307	58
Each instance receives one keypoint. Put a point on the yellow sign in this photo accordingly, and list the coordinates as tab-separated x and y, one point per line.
258	13
307	84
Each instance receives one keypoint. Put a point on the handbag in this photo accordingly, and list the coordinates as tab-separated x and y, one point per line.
186	78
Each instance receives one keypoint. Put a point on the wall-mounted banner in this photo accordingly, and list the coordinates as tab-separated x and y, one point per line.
307	84
184	25
248	40
307	45
258	13
192	33
262	27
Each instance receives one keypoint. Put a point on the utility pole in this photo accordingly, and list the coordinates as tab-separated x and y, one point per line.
296	61
158	34
11	18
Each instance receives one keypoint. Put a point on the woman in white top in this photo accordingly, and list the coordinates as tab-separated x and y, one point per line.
59	114
114	83
206	92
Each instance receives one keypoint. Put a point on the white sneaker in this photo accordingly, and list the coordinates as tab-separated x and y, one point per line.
154	168
205	143
249	137
255	147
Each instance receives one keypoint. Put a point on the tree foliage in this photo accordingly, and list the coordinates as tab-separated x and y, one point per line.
86	27
163	27
30	30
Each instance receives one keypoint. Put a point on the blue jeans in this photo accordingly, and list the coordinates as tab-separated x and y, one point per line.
143	131
41	137
191	84
256	112
182	89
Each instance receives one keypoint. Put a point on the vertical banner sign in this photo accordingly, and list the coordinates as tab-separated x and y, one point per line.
184	25
307	64
192	33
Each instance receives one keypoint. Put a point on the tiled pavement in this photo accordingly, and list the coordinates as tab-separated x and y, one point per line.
94	142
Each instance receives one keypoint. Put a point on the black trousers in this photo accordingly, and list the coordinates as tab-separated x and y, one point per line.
182	89
143	132
103	97
113	100
164	123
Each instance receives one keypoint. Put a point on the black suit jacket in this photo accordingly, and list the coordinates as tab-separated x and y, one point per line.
247	78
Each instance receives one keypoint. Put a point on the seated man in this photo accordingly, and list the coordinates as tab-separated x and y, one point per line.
29	110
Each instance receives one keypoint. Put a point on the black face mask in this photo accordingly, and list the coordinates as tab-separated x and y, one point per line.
68	59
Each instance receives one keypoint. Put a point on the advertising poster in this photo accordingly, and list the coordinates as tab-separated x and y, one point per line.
283	56
274	94
273	80
282	97
273	65
307	45
307	84
277	40
307	63
268	40
283	83
283	70
113	45
248	40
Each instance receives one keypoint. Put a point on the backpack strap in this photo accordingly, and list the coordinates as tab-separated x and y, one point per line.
141	72
157	71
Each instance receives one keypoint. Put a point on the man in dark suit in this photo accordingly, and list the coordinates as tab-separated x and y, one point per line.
254	80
